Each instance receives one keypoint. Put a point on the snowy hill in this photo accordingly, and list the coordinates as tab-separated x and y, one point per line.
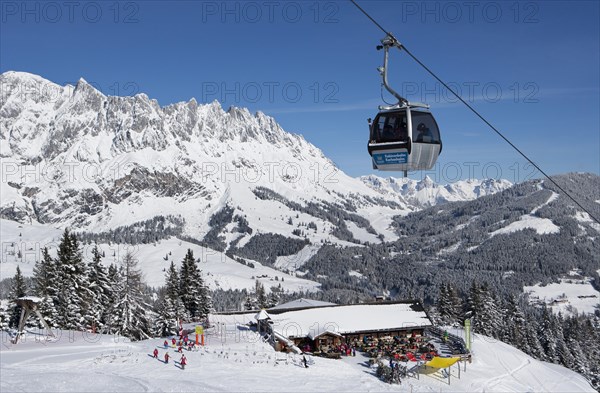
235	359
426	193
219	270
522	236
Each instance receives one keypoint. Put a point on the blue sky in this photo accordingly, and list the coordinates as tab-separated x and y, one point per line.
532	68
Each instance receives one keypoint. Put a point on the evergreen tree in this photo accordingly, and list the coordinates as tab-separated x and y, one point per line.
456	305
532	329
166	320
441	310
74	294
572	333
42	274
274	296
261	296
173	294
206	305
547	336
100	288
449	306
483	309
46	279
514	326
111	315
49	313
565	357
590	342
249	303
4	319
133	320
171	309
17	289
194	293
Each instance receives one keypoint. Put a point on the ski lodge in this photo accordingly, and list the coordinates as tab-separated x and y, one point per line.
328	325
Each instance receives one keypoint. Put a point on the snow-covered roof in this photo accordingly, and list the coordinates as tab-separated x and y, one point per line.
349	319
325	332
262	315
301	303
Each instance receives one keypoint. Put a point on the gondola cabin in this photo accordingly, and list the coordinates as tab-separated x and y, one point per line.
406	138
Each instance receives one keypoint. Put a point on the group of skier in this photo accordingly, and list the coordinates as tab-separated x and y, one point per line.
182	361
182	344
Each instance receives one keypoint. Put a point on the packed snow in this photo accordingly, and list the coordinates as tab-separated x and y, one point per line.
295	261
236	359
584	217
543	226
361	234
354	273
553	196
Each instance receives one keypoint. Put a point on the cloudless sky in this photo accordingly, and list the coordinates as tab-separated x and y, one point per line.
531	67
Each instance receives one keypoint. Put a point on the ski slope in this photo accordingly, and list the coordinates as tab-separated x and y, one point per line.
235	359
219	271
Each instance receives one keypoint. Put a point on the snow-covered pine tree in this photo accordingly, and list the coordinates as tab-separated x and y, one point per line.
274	296
438	311
41	274
590	334
446	306
17	289
513	326
100	289
46	280
170	309
111	315
74	293
133	319
547	336
565	357
206	304
249	303
456	305
572	331
166	321
194	293
532	329
4	319
484	310
173	293
261	296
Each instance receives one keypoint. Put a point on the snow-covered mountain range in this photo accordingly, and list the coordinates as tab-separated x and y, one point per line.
426	193
74	157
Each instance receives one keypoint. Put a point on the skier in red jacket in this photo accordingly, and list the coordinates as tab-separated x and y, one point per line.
183	362
166	357
155	353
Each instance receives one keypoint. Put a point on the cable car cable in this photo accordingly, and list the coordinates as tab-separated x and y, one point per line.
402	47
